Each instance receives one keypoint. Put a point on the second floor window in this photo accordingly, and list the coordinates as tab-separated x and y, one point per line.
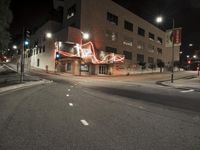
111	49
112	18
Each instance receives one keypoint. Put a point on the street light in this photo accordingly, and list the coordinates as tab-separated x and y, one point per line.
194	56
14	47
190	45
49	35
159	19
85	36
188	56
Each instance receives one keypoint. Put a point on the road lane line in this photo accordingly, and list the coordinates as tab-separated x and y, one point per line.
69	90
71	104
71	86
84	122
187	91
67	95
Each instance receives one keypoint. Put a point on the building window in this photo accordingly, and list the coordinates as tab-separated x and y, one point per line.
159	51
37	50
128	41
40	49
71	12
140	45
151	48
151	36
150	60
111	35
140	58
160	40
43	48
112	18
103	69
38	62
111	50
141	31
128	55
128	26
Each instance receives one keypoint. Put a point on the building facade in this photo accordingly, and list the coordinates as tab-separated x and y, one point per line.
115	34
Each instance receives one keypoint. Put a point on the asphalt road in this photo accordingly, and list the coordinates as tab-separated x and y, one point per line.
99	115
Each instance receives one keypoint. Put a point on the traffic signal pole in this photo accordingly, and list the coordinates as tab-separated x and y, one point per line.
22	59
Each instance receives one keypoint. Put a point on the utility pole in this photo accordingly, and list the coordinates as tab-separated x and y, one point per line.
22	58
172	73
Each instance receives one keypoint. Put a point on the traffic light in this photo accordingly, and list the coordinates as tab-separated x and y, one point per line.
189	61
58	56
27	35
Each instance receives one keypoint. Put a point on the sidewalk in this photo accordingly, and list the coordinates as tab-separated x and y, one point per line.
184	83
10	79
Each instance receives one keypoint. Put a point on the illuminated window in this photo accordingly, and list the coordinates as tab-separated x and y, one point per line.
128	55
151	36
128	41
128	26
141	31
112	18
151	48
111	50
71	12
111	35
140	45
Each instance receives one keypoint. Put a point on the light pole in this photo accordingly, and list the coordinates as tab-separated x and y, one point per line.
159	19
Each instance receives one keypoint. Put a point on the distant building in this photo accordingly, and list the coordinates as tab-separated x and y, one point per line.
120	42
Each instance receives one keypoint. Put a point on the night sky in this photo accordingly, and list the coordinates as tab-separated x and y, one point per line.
33	13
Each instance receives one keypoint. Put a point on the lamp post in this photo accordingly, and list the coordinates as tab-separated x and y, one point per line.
159	19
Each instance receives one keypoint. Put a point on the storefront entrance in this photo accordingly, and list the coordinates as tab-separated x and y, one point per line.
103	69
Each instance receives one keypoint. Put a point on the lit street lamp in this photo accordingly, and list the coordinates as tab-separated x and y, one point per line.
14	47
49	35
194	56
159	19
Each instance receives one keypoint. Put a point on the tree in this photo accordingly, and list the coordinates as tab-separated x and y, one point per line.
161	65
142	64
5	20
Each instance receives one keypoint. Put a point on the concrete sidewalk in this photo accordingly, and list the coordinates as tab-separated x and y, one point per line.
10	80
192	83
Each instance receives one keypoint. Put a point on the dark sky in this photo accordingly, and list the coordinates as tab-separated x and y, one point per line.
186	13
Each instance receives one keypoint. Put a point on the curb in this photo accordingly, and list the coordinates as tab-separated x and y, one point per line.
23	85
162	83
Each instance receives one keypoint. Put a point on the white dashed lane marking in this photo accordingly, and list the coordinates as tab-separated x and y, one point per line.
67	95
84	122
187	91
69	90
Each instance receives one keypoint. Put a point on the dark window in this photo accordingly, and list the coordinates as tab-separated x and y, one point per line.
40	49
112	18
141	31
128	25
160	40
151	36
111	50
38	62
43	48
37	50
159	50
71	12
140	58
128	55
150	60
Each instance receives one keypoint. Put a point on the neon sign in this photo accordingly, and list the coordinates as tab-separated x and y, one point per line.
88	54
